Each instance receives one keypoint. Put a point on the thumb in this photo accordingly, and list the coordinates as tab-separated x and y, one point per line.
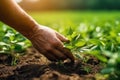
61	37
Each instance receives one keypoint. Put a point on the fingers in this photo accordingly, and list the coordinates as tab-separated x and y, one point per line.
66	52
60	51
51	50
50	57
45	53
59	55
61	37
55	52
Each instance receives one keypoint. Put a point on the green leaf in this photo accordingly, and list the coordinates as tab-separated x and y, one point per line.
107	53
19	37
94	41
97	54
18	48
2	43
6	39
108	70
70	31
80	43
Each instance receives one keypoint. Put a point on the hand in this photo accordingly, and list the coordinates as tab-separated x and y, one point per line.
49	43
44	39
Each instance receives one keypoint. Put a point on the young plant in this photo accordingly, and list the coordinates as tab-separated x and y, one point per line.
12	43
113	66
75	43
102	42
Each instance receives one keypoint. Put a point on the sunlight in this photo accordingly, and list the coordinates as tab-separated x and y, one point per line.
32	0
18	1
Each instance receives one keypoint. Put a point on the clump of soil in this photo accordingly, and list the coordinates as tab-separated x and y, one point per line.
34	66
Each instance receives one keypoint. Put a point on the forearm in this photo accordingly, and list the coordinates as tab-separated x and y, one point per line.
14	16
44	39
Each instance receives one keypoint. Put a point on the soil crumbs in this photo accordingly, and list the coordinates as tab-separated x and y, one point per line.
34	66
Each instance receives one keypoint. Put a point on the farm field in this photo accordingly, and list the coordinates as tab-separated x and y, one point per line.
94	41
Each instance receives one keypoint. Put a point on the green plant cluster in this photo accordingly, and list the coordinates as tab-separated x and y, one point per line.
12	43
103	42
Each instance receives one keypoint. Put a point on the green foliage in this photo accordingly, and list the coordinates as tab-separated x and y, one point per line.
102	43
98	36
94	33
12	43
113	66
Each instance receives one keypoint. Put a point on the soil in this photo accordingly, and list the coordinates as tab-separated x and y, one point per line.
34	66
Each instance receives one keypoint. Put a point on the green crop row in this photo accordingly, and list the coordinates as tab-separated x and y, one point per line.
103	42
12	43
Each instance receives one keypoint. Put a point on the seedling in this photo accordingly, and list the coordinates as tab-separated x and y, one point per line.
13	43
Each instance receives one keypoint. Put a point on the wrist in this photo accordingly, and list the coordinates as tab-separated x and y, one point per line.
29	30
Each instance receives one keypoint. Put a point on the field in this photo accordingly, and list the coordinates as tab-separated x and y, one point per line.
94	41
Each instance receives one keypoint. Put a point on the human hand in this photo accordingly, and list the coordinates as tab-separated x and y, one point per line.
45	40
49	43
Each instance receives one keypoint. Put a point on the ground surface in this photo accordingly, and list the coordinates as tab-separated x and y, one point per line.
33	66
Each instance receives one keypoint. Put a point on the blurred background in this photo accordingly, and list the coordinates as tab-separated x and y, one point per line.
40	5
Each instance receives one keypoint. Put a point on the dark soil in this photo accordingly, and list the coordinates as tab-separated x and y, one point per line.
34	66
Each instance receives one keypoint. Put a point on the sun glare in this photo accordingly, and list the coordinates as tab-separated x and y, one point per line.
18	1
32	0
